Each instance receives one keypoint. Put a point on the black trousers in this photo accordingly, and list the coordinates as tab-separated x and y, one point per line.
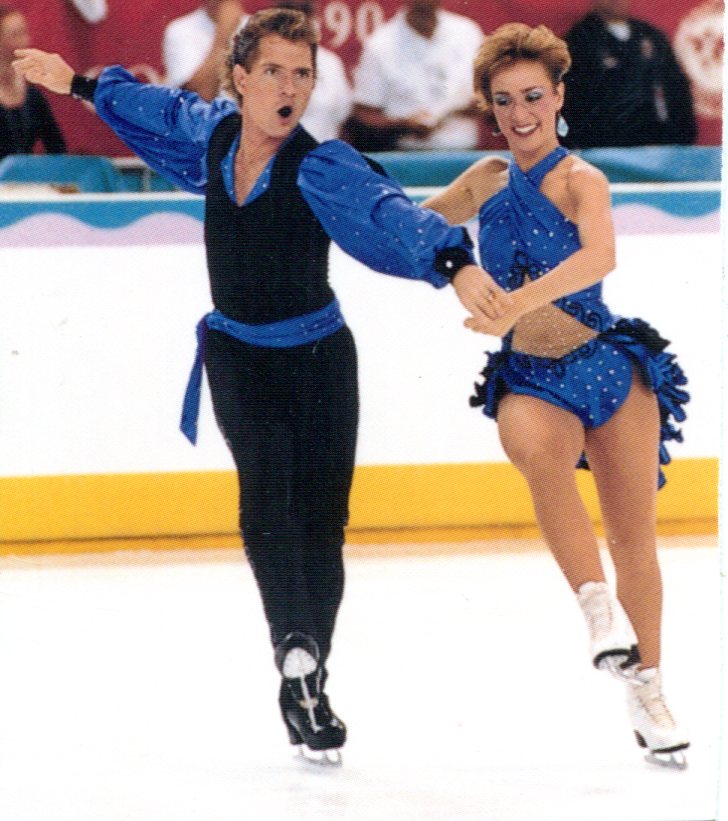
290	419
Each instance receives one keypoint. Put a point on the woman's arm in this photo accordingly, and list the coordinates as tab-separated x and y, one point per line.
588	193
461	200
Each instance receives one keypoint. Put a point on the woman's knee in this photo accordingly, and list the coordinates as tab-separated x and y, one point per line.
543	454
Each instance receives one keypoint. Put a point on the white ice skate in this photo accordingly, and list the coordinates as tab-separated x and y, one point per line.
654	726
613	643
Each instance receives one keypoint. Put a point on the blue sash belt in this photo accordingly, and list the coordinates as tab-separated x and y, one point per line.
288	333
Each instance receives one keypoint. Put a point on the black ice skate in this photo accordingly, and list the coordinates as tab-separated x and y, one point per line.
311	723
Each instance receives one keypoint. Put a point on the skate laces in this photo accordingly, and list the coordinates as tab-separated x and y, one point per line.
300	666
652	701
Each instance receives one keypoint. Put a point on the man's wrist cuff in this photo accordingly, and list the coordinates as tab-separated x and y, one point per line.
83	88
448	261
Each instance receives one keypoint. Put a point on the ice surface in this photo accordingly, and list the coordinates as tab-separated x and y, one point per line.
141	688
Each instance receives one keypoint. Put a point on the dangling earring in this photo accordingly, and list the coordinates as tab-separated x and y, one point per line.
562	127
496	132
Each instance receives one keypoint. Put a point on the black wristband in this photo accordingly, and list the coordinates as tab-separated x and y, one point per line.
448	261
83	88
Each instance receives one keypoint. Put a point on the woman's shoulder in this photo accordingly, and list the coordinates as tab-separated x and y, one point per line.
581	176
582	185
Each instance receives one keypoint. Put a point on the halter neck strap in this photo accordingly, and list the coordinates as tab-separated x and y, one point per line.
536	174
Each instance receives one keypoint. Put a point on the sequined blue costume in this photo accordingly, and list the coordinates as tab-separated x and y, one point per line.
523	234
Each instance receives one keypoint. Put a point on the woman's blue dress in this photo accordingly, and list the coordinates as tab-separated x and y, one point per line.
524	235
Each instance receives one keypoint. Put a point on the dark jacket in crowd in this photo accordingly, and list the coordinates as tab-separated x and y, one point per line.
624	93
22	127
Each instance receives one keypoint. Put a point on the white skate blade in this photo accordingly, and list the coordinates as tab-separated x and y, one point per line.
675	760
319	759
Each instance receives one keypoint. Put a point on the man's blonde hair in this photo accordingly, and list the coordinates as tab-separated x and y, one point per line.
290	24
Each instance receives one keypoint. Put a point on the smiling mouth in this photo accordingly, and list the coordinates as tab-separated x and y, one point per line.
286	111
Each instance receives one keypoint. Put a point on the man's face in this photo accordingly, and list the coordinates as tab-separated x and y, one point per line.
278	86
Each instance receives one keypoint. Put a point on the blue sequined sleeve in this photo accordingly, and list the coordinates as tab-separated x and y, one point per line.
167	128
371	218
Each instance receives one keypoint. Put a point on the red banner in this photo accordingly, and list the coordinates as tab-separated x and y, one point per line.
131	34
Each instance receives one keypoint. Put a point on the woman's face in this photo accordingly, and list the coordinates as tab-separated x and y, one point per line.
526	105
13	34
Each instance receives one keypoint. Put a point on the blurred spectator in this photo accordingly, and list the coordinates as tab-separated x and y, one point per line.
413	87
25	116
194	46
330	102
625	86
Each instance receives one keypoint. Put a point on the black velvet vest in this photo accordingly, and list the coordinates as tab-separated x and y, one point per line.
267	260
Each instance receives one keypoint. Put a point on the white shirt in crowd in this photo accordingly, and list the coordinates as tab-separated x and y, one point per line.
186	42
403	73
92	11
330	103
188	39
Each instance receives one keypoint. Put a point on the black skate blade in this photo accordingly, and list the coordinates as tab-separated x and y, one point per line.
319	759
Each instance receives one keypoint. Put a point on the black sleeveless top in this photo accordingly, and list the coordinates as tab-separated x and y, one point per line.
267	260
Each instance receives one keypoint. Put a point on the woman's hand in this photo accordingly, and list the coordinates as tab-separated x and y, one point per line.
480	294
492	327
498	324
48	70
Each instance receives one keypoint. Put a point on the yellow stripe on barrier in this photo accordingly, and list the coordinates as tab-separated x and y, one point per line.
389	503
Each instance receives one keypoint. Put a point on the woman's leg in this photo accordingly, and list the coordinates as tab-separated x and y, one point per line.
623	455
545	442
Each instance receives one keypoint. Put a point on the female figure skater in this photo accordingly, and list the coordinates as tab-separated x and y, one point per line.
572	383
280	360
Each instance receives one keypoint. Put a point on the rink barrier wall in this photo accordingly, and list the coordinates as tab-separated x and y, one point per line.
100	473
392	503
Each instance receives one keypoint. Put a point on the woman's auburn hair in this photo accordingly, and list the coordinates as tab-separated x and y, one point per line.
511	44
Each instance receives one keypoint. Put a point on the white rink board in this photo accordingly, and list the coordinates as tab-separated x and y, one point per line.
96	344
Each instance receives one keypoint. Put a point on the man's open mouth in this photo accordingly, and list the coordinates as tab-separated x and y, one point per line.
286	111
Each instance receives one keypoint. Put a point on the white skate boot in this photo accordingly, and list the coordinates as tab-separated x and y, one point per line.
654	726
613	643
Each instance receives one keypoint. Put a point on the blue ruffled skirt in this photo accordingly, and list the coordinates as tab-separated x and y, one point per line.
594	380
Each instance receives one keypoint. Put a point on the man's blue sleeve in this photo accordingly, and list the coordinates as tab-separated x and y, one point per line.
371	218
167	128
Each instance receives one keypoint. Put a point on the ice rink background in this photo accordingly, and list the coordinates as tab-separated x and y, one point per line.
140	687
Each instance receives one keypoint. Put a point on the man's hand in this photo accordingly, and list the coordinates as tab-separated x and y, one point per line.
48	70
480	295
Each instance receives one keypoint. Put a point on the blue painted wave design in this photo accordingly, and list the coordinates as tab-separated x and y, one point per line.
161	221
102	213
